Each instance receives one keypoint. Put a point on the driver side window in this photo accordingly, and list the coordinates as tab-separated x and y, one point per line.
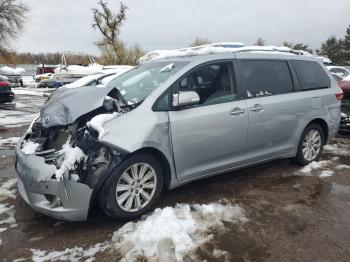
214	83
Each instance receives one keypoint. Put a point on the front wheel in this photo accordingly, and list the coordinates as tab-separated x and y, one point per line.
133	188
310	145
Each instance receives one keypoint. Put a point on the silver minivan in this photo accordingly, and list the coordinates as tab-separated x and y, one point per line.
170	121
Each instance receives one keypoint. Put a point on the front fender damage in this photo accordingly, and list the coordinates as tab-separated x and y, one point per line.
64	167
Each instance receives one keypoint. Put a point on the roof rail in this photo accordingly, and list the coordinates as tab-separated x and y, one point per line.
224	47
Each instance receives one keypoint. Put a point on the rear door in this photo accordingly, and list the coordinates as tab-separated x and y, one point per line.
275	112
209	137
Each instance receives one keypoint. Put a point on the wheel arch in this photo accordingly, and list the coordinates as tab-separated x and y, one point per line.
163	161
323	124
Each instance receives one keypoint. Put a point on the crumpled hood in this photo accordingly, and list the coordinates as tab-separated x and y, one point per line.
66	105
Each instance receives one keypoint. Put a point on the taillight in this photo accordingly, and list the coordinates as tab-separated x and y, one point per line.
339	95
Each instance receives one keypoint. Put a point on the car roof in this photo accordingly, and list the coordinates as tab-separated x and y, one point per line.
239	55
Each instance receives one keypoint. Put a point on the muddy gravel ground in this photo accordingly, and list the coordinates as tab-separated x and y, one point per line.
291	214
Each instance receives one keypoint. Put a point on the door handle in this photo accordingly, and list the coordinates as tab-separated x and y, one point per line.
256	108
237	111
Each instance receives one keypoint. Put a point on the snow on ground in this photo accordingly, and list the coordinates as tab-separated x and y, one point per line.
307	170
69	254
326	173
13	118
337	149
342	167
28	81
170	234
8	142
28	92
7	211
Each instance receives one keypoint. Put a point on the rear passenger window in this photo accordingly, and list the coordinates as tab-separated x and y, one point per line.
263	78
311	75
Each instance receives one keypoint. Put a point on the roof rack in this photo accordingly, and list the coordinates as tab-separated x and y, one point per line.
217	48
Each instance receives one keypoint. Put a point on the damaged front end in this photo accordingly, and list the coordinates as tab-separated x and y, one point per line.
61	168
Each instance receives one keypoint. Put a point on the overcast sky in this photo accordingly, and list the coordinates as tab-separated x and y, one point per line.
65	25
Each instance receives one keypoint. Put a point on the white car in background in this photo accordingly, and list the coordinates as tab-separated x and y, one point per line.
101	78
339	70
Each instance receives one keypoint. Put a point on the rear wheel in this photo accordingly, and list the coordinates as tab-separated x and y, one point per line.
133	188
310	145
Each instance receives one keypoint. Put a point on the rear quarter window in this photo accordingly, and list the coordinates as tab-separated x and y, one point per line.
311	75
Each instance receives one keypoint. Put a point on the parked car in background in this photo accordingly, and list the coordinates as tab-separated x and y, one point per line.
42	77
172	120
6	94
45	69
345	105
339	70
337	77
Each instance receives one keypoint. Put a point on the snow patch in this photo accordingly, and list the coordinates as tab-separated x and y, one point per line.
341	167
337	150
71	155
69	254
98	121
326	173
5	190
20	91
12	118
29	147
170	233
306	170
7	211
11	141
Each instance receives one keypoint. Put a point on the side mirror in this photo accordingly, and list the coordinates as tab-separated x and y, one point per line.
185	98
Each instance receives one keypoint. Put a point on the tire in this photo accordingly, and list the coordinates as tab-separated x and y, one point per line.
304	155
119	209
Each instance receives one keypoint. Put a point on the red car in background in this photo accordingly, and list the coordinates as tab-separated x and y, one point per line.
45	69
345	106
6	94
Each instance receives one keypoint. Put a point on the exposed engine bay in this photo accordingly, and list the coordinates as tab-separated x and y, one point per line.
75	149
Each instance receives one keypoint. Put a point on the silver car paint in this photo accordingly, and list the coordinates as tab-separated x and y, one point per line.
207	140
188	145
66	105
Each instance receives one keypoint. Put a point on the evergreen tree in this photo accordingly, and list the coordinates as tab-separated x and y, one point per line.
333	48
347	46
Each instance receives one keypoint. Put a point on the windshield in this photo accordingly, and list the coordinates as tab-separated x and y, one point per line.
136	84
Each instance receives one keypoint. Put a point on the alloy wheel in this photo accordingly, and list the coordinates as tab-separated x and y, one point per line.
312	145
136	187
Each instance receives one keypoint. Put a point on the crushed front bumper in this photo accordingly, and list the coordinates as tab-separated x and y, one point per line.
35	182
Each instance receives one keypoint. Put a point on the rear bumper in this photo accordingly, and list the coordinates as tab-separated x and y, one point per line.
35	182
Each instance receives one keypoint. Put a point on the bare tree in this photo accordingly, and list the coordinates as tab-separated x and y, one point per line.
113	49
108	23
200	41
12	18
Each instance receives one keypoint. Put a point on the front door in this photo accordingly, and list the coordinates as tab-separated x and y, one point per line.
209	137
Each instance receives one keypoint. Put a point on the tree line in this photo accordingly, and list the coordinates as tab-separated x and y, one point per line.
115	51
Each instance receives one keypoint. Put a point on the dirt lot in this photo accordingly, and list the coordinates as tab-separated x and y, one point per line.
290	214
